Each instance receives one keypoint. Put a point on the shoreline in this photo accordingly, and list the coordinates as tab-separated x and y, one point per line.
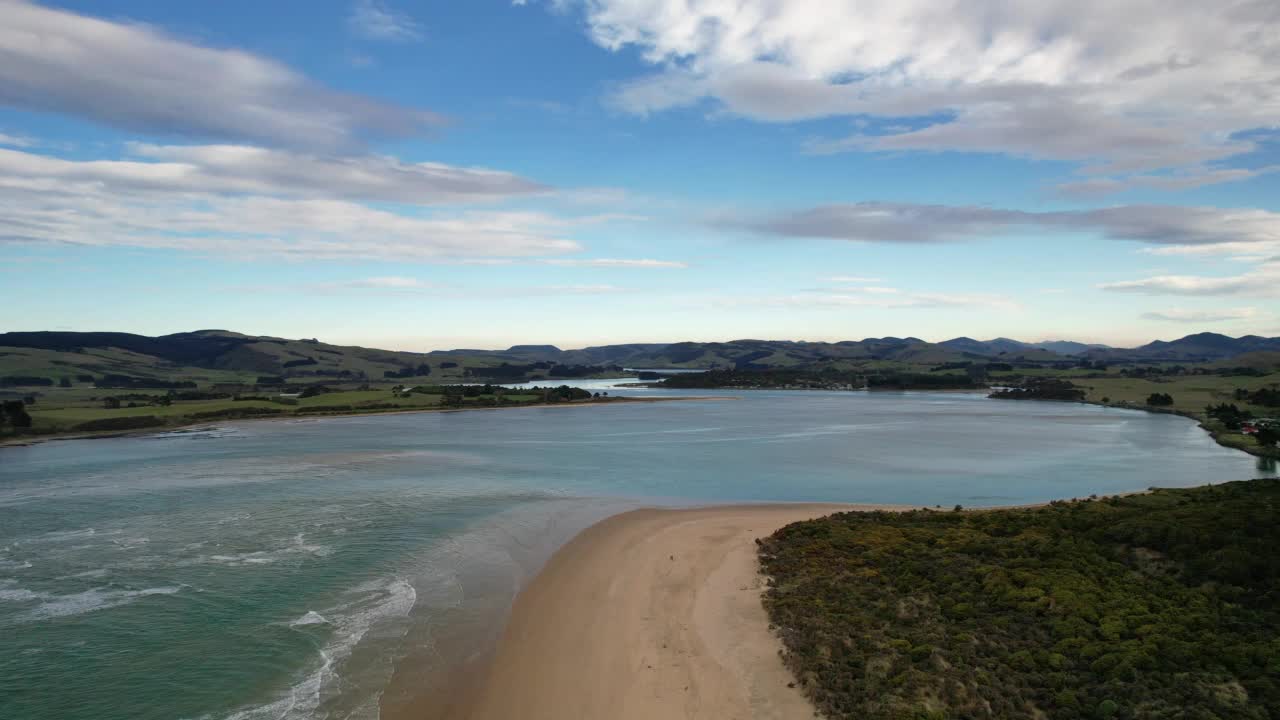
650	613
24	441
28	440
1257	451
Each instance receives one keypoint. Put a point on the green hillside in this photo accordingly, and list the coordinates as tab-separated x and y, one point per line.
67	379
1163	605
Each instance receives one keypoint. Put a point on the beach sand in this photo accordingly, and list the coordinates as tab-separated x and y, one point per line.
651	614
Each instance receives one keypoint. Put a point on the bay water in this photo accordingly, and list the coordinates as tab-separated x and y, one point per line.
339	568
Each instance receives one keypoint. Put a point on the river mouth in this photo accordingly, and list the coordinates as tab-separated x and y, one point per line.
348	567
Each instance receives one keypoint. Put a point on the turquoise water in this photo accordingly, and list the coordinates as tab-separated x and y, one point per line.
327	568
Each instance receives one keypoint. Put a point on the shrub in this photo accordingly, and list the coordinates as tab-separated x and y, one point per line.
132	422
1139	606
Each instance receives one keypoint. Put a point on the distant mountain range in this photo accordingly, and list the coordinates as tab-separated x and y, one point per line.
1198	347
1201	347
1001	346
217	354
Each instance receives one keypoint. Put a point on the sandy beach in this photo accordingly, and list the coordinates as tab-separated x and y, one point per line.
651	614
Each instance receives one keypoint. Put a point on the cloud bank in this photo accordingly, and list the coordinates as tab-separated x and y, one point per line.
248	169
139	78
1261	282
257	202
1105	84
885	222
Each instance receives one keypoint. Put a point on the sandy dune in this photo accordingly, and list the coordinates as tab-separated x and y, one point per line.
652	614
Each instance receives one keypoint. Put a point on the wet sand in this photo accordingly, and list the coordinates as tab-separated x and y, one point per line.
651	614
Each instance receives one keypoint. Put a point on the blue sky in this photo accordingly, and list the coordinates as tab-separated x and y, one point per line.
422	175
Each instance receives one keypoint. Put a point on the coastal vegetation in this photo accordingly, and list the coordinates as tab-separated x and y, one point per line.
1158	605
92	411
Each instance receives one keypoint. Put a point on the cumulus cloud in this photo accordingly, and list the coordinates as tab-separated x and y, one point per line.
915	223
1197	317
1060	79
374	20
138	77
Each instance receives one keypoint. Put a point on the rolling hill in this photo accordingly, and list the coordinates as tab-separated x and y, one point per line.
220	356
1200	347
1006	346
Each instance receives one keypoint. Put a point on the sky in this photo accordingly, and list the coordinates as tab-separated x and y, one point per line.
438	174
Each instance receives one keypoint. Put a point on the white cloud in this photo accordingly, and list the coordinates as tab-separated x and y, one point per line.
641	263
1185	180
138	77
912	223
15	140
375	21
258	227
878	222
1252	252
1263	281
1179	315
394	284
247	169
255	202
1120	86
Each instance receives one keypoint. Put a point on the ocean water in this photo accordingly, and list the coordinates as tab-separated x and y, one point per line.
334	568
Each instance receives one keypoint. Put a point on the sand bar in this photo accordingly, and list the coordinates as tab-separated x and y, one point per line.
651	614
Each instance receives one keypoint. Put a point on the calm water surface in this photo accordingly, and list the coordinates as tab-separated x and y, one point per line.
330	568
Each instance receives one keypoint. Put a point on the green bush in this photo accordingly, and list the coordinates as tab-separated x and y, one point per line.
133	422
1162	605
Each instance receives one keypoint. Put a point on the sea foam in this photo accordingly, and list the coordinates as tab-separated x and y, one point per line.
372	605
52	605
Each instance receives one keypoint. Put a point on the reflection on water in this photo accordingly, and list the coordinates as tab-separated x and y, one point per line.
318	568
